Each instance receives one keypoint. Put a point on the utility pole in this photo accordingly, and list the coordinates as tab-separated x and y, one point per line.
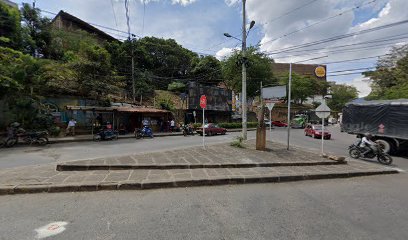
244	90
289	100
133	75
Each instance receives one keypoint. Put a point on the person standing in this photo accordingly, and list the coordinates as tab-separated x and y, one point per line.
71	127
172	123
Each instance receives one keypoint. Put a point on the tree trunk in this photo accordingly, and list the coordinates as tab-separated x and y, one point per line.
261	131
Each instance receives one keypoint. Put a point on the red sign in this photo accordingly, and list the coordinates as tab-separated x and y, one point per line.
203	101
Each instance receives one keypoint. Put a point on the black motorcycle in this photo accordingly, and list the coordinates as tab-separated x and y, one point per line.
187	130
40	138
106	134
356	152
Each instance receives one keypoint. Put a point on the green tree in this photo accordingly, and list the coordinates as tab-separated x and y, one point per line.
207	70
10	27
303	87
341	94
36	32
17	72
390	79
259	69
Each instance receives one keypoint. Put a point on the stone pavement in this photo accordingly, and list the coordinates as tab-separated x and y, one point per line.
218	164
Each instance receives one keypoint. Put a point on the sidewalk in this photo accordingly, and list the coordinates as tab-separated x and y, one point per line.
89	137
216	165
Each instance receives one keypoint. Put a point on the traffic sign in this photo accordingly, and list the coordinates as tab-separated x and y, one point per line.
270	106
323	111
203	101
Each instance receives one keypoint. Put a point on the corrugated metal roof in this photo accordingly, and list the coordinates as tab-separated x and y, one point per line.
118	109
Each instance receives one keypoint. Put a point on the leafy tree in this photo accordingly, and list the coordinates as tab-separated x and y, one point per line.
10	29
17	72
207	70
36	32
177	87
303	87
341	94
259	69
390	79
94	73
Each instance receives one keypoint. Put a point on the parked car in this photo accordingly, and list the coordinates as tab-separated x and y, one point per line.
315	131
211	129
279	124
267	122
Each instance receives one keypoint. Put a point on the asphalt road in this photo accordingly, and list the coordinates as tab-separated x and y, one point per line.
23	156
357	208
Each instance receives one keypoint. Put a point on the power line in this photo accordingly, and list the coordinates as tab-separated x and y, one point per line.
114	14
317	23
343	36
386	39
291	11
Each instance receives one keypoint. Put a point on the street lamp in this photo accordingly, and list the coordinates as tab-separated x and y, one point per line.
244	91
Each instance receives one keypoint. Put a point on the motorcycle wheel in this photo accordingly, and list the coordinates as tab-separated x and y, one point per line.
97	138
10	142
42	141
354	153
385	159
138	135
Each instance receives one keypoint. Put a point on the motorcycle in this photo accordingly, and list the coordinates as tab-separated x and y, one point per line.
144	132
187	130
40	138
356	152
106	134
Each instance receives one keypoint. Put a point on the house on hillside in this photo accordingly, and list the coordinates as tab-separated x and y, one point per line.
66	21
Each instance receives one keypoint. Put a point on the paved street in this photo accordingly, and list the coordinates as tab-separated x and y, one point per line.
23	156
358	208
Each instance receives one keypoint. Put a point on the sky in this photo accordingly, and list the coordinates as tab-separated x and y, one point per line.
199	26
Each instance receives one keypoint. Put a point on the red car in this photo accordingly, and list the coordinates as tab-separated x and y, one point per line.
315	131
211	129
279	124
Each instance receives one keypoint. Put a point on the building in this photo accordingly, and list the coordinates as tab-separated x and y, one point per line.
9	3
66	21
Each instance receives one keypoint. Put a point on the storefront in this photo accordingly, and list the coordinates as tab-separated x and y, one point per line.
124	119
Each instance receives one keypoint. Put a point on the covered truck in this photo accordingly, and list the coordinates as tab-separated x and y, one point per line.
386	120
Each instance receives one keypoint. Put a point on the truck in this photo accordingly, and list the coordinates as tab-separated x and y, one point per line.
386	120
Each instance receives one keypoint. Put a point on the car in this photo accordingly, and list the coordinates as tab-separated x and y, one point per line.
315	131
279	124
267	122
211	129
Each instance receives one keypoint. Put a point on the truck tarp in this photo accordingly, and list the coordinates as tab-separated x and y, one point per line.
387	118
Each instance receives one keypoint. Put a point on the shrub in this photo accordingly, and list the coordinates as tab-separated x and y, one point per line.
238	142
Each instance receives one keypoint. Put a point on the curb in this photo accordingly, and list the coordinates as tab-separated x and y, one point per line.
61	140
103	186
74	167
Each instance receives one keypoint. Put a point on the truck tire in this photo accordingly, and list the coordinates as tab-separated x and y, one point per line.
385	145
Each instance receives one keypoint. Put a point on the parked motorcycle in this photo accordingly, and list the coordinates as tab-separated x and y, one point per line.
146	131
40	138
106	134
187	130
355	151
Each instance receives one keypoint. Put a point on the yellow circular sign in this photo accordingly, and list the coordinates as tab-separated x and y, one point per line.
320	71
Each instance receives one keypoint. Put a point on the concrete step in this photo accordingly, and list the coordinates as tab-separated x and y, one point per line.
90	167
153	179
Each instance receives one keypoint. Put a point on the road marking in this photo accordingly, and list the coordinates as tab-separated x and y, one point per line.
50	229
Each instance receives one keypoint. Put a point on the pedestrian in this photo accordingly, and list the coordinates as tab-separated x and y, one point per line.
172	125
71	127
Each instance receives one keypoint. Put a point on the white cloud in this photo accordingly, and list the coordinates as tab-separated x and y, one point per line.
183	2
224	52
363	86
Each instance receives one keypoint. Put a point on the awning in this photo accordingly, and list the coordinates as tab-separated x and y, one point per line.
117	109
